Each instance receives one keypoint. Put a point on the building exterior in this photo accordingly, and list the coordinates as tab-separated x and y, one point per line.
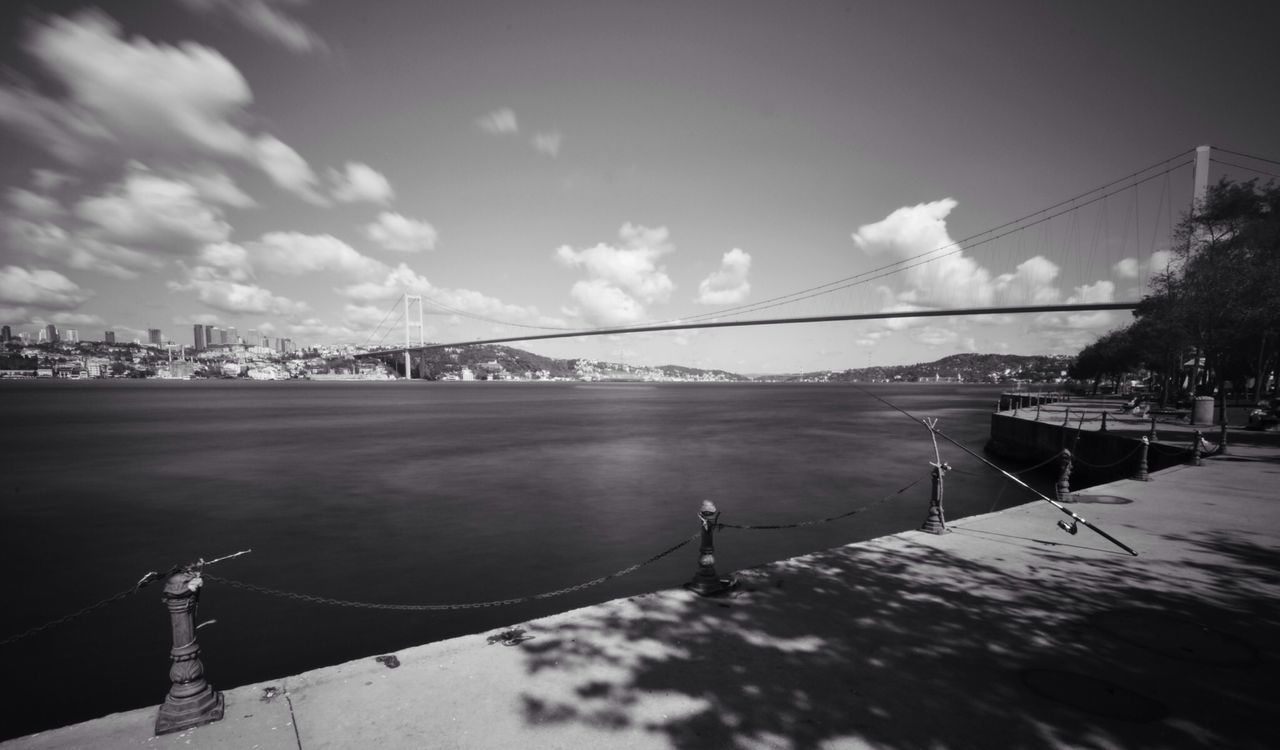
197	336
208	336
51	333
4	334
233	336
73	336
222	336
109	337
153	337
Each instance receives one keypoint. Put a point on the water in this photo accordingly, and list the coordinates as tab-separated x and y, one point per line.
413	493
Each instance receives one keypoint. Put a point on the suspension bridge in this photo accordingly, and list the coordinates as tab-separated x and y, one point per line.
1091	233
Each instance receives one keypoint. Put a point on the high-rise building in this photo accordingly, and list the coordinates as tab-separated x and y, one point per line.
222	335
109	337
153	337
208	336
51	333
4	334
197	335
73	336
233	336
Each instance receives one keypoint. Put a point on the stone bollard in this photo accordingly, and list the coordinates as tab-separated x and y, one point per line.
1104	422
1222	440
191	700
1141	475
1195	450
1063	488
936	522
1152	435
706	582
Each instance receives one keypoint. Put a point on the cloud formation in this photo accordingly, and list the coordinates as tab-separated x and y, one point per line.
728	285
267	19
622	279
41	288
191	103
950	279
401	234
499	122
547	143
360	182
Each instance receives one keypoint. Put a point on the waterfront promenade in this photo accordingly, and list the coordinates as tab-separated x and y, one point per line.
1006	632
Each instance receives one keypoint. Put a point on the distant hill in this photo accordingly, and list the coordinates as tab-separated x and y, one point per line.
968	368
503	362
496	362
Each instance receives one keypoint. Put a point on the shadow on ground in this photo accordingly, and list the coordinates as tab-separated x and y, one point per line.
905	644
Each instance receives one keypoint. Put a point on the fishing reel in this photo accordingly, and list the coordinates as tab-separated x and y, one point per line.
1070	528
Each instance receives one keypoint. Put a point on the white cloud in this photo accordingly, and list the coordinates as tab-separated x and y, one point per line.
935	336
499	122
76	319
1126	268
32	204
1031	283
951	279
622	279
152	211
285	167
360	182
236	298
314	328
227	259
729	284
267	19
547	143
191	101
48	180
296	253
215	186
76	250
404	280
401	234
40	288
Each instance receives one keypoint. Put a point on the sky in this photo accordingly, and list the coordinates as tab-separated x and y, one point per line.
295	166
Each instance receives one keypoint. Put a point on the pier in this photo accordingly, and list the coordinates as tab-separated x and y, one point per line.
1005	632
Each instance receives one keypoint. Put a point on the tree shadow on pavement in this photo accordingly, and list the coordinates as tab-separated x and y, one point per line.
899	643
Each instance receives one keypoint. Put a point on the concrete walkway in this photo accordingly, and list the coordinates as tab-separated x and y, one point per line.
1005	633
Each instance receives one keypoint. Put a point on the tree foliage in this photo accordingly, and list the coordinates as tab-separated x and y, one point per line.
1217	304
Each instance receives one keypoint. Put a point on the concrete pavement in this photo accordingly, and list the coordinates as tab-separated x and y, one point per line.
1006	632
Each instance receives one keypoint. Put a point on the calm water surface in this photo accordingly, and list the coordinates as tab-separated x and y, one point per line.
413	493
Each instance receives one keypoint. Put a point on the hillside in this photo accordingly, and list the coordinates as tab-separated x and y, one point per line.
968	368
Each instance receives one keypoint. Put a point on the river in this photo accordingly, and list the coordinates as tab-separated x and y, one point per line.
414	492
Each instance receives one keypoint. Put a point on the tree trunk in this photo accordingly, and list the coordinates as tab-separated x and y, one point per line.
1262	370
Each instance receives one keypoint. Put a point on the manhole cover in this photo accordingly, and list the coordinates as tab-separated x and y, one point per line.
1093	695
1176	637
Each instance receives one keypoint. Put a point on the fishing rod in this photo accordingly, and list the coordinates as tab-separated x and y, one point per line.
1070	528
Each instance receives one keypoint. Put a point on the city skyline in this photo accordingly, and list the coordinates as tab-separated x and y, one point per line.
537	166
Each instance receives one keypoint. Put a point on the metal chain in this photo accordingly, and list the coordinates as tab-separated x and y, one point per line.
816	521
312	599
148	578
1042	464
1132	453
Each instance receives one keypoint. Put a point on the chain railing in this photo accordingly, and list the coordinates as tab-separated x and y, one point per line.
142	582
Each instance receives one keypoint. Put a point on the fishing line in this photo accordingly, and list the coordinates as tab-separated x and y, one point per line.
1069	528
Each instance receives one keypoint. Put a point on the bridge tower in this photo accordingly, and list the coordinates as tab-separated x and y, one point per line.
408	326
1201	180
